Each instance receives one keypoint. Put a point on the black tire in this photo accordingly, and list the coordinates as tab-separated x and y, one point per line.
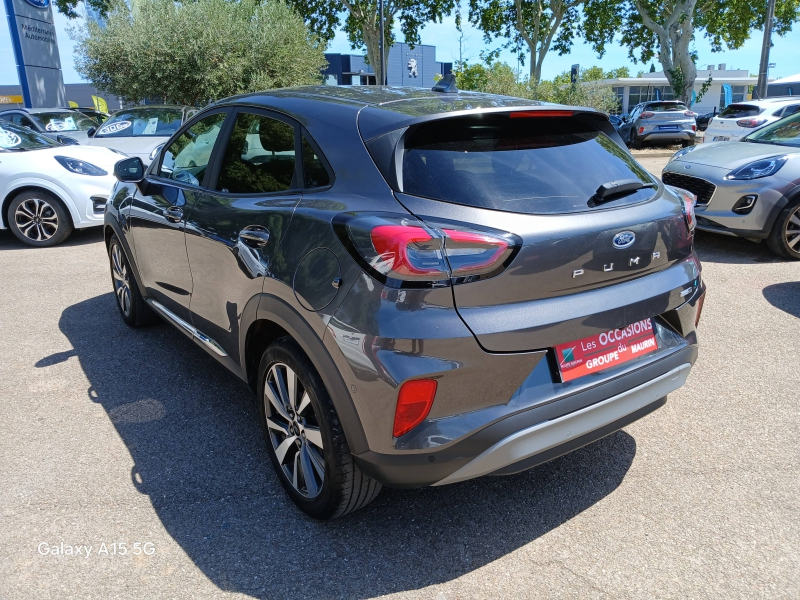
344	487
635	142
39	219
132	307
687	143
785	225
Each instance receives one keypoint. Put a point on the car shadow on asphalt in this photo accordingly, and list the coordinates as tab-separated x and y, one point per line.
785	296
192	431
725	249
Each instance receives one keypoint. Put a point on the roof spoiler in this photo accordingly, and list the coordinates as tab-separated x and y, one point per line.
446	85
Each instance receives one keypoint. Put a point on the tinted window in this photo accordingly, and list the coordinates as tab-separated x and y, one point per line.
525	165
737	111
666	107
186	158
314	171
65	121
790	110
142	122
259	157
15	138
785	132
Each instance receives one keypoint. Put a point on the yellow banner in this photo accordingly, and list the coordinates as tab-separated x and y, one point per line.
100	104
73	104
10	99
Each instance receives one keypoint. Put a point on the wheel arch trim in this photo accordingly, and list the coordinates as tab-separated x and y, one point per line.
21	185
111	227
279	312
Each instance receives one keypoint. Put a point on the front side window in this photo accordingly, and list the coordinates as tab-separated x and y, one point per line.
65	121
14	138
259	157
142	122
186	158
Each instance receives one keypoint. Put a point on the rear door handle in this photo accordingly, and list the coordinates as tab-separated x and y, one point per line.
173	214
254	236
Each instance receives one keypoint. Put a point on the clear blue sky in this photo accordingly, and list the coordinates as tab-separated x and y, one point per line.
444	37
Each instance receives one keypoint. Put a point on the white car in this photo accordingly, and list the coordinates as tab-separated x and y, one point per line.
47	189
735	121
140	131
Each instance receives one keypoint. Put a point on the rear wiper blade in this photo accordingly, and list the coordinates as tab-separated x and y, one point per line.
618	187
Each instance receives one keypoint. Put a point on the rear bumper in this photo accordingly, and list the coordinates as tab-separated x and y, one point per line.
530	437
655	136
518	449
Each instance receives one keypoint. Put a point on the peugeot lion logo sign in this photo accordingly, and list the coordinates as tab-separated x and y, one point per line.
39	3
624	239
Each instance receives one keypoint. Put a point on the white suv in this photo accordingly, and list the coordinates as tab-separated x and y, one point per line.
743	118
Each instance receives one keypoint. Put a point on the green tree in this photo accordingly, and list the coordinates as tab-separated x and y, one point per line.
665	29
197	52
362	22
528	26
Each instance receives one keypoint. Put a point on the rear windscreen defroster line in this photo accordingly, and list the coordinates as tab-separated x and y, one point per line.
536	165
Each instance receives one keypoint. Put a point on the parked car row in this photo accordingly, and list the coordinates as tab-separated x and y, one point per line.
58	173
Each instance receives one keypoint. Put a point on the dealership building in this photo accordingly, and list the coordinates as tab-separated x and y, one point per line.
414	66
631	91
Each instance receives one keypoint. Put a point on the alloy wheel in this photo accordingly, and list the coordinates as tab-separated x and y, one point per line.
122	285
36	219
294	430
792	232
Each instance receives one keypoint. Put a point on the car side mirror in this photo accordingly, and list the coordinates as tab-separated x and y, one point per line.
91	131
129	170
624	119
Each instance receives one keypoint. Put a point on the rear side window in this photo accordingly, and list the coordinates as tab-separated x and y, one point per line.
314	171
737	111
529	165
259	158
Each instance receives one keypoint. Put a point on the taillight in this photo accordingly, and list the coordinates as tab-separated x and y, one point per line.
402	251
694	127
688	113
750	123
689	200
647	114
414	402
641	129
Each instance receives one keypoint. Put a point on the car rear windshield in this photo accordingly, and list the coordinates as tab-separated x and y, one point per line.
534	165
142	122
737	111
666	107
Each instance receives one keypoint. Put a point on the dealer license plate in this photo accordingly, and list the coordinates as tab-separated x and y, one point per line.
668	128
605	350
721	138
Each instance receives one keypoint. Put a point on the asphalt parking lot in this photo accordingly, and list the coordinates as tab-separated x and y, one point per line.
114	436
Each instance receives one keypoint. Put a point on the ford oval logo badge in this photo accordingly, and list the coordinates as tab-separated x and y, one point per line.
624	239
39	3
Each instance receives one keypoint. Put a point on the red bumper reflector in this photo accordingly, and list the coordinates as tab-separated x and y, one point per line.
414	402
524	114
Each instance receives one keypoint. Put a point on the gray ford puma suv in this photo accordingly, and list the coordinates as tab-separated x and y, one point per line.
421	286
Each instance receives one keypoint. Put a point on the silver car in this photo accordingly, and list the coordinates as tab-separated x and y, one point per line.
750	188
659	121
61	124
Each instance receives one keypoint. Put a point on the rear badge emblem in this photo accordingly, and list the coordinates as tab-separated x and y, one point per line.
624	239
